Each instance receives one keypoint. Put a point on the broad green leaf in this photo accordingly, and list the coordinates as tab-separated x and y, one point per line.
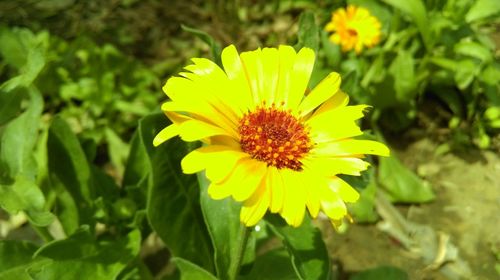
482	9
117	149
475	50
401	183
15	253
403	71
138	165
18	188
205	37
272	265
305	246
190	270
364	209
173	201
331	50
19	138
10	104
70	176
308	34
16	257
381	272
81	255
222	218
466	71
417	11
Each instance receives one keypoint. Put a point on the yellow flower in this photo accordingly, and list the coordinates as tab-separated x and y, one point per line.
354	28
268	144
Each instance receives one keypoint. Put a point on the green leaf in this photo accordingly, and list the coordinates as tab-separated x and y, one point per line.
401	183
19	138
10	104
403	71
467	69
117	149
18	188
205	37
80	255
305	246
381	272
364	209
308	34
222	218
272	265
331	50
190	270
417	11
475	50
173	201
14	254
70	175
482	9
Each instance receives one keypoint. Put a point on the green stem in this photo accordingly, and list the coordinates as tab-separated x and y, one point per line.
234	269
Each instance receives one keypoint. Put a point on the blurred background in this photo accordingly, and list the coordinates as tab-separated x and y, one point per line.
433	81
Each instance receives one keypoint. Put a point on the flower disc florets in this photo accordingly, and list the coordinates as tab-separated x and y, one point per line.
274	136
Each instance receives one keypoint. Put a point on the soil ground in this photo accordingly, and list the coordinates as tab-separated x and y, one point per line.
466	209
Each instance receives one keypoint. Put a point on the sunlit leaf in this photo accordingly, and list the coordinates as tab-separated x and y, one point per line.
417	11
190	270
308	34
70	175
305	246
173	201
15	256
403	71
215	47
482	9
401	183
82	255
475	50
272	265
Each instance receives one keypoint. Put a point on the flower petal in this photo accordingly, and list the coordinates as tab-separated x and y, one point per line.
165	134
213	157
301	73
345	191
242	182
256	206
193	130
350	147
294	205
322	92
341	165
277	189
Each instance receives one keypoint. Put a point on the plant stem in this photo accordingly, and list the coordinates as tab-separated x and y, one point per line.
240	253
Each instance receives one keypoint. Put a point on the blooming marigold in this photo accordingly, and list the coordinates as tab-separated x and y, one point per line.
354	28
268	144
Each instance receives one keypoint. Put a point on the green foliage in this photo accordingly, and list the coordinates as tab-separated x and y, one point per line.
76	156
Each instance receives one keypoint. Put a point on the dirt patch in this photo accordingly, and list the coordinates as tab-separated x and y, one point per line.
466	210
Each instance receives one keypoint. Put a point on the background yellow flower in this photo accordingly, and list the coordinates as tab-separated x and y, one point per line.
354	28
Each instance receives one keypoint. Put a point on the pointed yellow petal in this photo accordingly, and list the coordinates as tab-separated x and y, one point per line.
287	58
322	92
350	147
213	156
219	190
332	166
315	183
247	178
336	124
335	209
256	206
294	205
220	166
193	130
277	189
238	85
302	69
344	190
165	134
339	99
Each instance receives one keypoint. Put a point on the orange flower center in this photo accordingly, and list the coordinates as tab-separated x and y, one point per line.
274	136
